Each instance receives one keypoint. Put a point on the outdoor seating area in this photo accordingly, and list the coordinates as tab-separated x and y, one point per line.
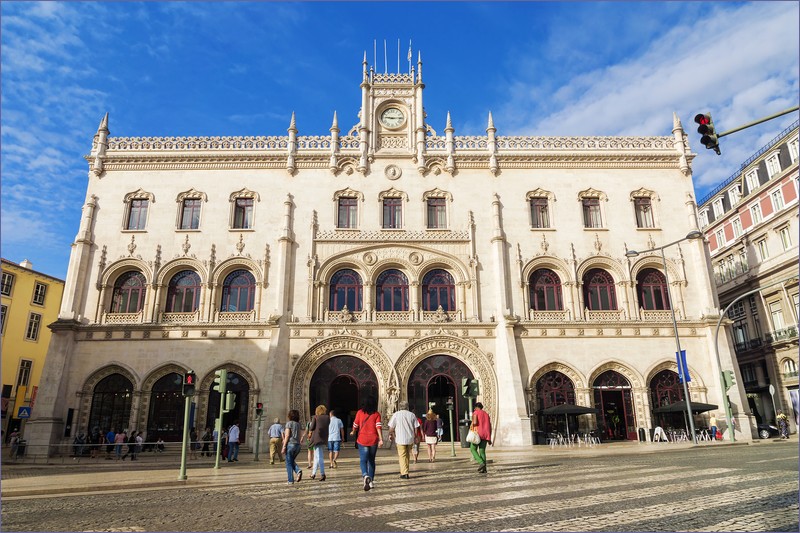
556	439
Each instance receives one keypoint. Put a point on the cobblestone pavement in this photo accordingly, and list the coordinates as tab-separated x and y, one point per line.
734	488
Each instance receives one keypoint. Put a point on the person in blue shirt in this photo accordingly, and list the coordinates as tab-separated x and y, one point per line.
335	437
275	441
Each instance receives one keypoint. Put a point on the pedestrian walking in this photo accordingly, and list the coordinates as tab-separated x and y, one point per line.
291	446
483	426
419	436
368	425
131	442
306	437
224	443
14	442
233	443
119	440
78	444
95	441
320	425
403	429
713	423
275	438
193	443
335	437
206	438
139	443
783	424
110	439
429	428
439	428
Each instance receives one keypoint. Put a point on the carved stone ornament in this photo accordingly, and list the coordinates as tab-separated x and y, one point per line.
345	315
132	246
240	244
393	172
370	258
186	246
415	258
441	315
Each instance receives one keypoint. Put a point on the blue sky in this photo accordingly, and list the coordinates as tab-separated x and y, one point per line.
542	68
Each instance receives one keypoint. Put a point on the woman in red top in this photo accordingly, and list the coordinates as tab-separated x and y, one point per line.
368	425
483	426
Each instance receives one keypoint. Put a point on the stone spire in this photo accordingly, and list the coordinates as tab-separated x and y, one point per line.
419	66
99	145
680	144
290	166
449	145
490	131
334	143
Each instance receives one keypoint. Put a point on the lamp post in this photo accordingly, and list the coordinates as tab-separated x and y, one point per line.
694	234
450	414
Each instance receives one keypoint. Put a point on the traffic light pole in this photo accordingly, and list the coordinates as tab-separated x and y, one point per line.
722	315
187	403
258	435
223	384
759	121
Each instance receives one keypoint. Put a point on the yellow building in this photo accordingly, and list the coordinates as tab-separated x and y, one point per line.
30	301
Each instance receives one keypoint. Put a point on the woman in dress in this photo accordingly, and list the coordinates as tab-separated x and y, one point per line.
368	425
319	438
291	446
431	438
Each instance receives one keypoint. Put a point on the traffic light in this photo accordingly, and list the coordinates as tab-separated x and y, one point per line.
728	378
259	409
464	387
230	401
189	380
474	388
220	379
709	137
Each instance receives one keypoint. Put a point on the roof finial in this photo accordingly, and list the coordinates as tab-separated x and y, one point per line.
449	124
335	125
103	124
676	122
293	123
491	122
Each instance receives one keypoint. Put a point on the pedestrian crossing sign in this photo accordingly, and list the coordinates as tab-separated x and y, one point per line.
24	412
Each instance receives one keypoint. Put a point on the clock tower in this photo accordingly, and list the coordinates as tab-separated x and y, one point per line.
392	117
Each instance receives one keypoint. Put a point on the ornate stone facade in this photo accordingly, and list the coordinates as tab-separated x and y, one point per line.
391	245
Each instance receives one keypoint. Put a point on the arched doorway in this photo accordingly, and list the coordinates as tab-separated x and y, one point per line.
165	418
552	389
666	389
612	395
432	382
111	404
341	383
239	386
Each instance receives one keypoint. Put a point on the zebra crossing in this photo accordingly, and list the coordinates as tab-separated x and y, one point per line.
555	496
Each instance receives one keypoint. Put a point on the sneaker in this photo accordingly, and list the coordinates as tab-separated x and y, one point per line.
367	483
404	476
482	469
334	464
290	483
371	484
299	476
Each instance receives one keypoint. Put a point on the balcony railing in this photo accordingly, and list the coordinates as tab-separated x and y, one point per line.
605	316
549	316
180	318
781	334
394	316
789	375
751	344
122	318
235	316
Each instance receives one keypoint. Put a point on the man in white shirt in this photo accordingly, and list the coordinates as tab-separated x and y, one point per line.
233	443
275	441
335	437
402	428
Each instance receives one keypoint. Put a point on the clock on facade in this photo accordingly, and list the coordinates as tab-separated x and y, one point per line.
392	117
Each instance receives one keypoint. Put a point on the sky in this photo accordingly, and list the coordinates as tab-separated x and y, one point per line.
230	68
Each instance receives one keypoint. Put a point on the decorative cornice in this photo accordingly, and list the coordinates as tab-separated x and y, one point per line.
394	236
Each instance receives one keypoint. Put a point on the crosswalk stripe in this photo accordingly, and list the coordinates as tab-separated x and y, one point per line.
439	522
488	496
666	512
781	519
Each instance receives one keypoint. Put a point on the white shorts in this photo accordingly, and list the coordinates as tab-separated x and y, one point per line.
430	440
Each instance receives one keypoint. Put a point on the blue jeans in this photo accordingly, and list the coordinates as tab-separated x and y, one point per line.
233	451
291	461
367	456
319	460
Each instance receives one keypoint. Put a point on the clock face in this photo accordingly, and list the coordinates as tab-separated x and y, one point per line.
392	117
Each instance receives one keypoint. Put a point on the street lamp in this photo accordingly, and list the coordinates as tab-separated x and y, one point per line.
692	235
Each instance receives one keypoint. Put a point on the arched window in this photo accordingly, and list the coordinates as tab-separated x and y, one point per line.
238	291
346	289
554	388
545	291
391	291
652	290
183	295
789	368
129	290
598	290
111	404
438	288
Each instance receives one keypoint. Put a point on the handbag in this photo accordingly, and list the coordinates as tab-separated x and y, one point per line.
472	437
